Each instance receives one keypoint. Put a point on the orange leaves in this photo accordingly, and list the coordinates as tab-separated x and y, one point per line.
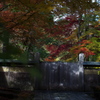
82	48
85	50
25	25
86	42
15	19
50	59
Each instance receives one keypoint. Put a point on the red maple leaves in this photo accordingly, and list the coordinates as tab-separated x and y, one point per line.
65	33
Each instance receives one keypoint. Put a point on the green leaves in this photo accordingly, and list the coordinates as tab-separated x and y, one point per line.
11	52
23	57
95	46
43	53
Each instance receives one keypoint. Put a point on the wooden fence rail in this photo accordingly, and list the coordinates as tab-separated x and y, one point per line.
77	76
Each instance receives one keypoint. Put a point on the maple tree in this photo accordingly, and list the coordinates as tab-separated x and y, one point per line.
94	37
31	26
25	20
74	33
69	46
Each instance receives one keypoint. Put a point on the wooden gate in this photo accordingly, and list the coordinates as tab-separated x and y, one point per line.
60	76
55	76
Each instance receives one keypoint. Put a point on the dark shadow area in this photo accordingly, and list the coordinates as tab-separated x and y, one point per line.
3	80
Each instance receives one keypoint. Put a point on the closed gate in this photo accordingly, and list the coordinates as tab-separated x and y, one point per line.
60	76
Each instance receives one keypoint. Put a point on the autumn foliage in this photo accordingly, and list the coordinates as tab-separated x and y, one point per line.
66	33
30	24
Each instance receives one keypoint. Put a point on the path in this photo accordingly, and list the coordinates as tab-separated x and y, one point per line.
62	96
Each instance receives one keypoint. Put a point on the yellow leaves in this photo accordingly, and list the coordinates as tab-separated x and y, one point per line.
99	21
85	34
69	59
91	33
72	36
58	59
98	59
50	8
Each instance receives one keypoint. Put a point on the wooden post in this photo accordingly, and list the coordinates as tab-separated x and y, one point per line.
81	70
37	57
36	81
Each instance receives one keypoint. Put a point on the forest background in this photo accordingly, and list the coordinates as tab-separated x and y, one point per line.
56	29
